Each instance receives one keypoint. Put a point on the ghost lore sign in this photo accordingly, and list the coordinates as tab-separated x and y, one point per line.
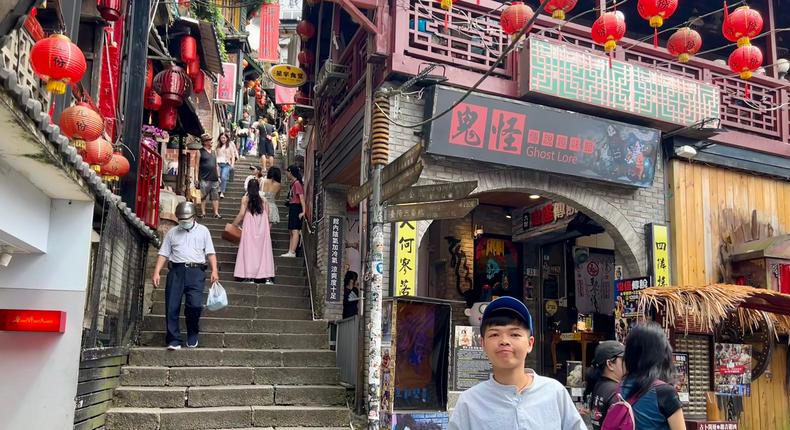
513	133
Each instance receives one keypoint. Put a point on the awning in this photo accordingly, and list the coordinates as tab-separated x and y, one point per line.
710	305
209	46
189	120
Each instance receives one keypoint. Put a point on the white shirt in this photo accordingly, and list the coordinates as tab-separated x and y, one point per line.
192	246
489	405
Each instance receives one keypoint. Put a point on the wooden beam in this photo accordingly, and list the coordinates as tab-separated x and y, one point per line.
357	16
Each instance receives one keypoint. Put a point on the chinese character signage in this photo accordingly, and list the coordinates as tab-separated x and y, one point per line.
579	74
226	87
593	275
537	220
334	281
718	425
406	259
680	362
513	133
287	75
269	49
658	240
732	369
626	304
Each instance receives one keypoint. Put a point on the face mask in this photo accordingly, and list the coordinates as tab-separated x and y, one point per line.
186	224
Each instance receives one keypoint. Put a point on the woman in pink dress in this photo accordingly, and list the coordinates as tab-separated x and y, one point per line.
254	259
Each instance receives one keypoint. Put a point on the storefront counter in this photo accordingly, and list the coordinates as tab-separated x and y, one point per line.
584	339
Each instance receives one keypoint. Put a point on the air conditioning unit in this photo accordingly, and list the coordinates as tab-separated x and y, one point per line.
331	80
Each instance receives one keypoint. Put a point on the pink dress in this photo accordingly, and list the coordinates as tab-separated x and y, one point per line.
255	258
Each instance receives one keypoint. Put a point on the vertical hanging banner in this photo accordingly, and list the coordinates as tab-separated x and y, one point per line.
269	48
334	285
658	253
406	259
226	87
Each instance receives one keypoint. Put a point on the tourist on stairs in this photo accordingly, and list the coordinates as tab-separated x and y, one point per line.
254	259
270	189
226	158
295	208
208	172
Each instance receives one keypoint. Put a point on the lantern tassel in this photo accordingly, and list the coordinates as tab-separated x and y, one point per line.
611	54
726	11
746	90
446	19
655	37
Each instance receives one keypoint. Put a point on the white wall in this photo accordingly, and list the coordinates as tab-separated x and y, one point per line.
24	219
39	370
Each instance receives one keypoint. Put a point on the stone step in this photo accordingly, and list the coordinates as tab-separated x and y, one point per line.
248	312
228	253
227	275
209	324
231	357
227	261
159	376
251	294
229	395
246	340
249	301
226	417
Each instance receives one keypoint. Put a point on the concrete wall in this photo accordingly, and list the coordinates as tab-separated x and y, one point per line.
39	370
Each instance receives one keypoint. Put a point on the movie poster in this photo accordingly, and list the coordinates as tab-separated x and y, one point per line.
594	273
497	270
626	304
470	364
421	421
732	369
680	362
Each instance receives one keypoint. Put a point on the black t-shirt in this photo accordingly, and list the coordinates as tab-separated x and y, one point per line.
263	131
350	308
207	171
602	397
244	124
655	406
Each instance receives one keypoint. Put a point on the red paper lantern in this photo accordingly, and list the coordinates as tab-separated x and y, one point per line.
189	49
80	123
193	68
558	8
305	30
110	10
656	11
97	153
742	25
515	17
168	117
745	60
608	29
149	76
172	84
153	101
117	167
198	82
684	43
295	130
306	58
58	62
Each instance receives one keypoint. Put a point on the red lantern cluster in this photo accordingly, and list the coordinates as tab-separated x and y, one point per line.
58	62
684	43
742	25
656	11
608	29
515	17
81	124
305	30
117	167
559	8
110	10
97	153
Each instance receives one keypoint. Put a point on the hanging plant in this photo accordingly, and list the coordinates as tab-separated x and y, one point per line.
211	12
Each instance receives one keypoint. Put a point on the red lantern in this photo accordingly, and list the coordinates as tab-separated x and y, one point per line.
110	10
684	43
306	58
198	82
58	62
305	30
168	116
515	17
114	169
149	76
742	25
80	123
608	29
172	84
153	101
193	68
745	60
656	11
189	49
558	8
295	130
97	153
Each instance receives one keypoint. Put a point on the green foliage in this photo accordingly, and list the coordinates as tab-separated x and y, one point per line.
211	12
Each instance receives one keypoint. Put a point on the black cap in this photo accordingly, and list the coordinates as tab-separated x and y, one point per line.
607	350
510	305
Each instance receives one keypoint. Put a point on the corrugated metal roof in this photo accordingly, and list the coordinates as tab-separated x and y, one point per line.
210	59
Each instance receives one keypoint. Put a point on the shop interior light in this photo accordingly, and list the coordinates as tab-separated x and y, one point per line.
478	231
534	197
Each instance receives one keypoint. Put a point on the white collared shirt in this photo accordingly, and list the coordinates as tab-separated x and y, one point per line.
192	246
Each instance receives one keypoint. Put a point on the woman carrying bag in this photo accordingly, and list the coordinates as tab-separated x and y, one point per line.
295	209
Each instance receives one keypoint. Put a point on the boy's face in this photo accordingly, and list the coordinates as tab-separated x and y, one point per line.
507	346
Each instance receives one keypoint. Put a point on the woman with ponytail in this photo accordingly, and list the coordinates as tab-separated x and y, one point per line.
603	379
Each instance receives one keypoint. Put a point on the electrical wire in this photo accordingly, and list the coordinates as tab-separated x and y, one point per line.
513	44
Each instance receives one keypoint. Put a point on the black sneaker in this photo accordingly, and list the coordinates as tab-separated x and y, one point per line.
191	344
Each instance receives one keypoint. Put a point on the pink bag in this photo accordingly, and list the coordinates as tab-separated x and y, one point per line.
620	415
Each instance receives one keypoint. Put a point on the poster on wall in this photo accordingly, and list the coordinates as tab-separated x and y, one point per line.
593	274
421	421
497	269
405	258
575	378
387	365
470	364
226	85
732	369
680	362
626	303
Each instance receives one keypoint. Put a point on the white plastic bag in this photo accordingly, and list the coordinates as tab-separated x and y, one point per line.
217	298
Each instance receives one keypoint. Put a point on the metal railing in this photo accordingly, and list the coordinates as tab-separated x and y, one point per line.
347	348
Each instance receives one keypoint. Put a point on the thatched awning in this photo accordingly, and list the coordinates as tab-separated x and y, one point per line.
708	306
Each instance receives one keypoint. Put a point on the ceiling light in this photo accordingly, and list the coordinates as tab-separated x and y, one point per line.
534	197
508	216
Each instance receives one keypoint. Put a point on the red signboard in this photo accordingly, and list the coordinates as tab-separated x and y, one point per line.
32	320
269	49
226	87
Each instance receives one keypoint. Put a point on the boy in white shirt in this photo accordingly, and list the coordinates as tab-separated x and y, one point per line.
514	398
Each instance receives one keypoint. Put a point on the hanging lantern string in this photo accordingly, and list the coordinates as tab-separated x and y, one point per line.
687	23
112	85
558	27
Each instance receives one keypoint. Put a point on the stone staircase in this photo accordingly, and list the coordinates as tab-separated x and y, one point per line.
262	363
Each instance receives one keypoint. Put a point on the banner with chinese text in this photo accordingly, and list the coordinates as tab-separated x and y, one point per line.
269	49
658	236
406	259
334	284
226	86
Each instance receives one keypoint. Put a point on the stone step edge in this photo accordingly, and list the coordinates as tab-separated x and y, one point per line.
223	387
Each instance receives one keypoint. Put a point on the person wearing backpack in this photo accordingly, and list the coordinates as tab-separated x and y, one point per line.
603	379
646	401
513	398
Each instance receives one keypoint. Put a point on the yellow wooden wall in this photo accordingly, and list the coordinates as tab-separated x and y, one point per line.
698	195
